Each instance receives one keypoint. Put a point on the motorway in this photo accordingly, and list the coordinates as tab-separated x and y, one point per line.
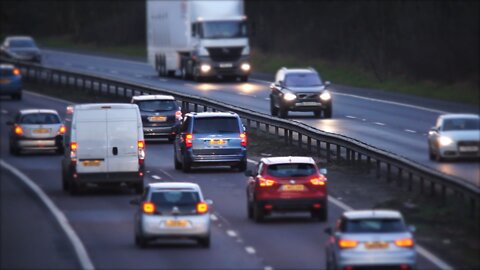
103	219
396	123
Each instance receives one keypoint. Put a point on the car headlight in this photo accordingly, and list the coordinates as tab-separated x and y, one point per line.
245	66
289	96
205	68
444	141
325	96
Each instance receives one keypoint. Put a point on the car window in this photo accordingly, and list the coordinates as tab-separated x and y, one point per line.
291	170
461	124
22	43
374	225
216	125
40	118
157	105
175	198
302	79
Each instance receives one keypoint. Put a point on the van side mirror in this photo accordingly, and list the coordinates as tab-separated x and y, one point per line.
328	231
323	171
280	83
135	201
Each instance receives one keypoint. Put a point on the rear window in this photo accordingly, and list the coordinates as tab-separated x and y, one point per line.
175	198
40	118
373	225
157	105
291	170
216	125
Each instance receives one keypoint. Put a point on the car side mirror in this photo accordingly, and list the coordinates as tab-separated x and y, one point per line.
433	130
249	173
209	202
412	228
323	171
272	85
135	201
328	231
9	123
327	83
281	83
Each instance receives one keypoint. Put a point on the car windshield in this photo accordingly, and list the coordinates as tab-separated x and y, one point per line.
216	125
40	118
175	198
291	170
22	43
373	225
223	29
157	105
302	80
461	124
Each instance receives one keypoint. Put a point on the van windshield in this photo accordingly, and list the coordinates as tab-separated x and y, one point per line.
40	118
291	170
157	105
216	125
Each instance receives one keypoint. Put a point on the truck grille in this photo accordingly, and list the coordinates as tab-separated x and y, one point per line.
225	54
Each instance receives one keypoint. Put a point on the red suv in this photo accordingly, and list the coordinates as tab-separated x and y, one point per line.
286	184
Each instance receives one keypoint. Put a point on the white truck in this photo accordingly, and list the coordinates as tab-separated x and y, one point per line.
198	38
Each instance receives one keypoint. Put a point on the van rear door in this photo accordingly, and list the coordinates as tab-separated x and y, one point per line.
122	128
91	139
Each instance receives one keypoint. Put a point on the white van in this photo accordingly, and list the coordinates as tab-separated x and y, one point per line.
103	145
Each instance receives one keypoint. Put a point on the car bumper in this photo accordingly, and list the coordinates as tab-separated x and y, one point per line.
293	204
10	87
366	259
38	145
155	226
307	106
199	159
152	133
455	151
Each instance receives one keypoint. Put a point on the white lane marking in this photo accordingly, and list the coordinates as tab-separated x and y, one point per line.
351	117
4	111
425	253
250	250
189	84
268	268
267	98
167	174
410	131
231	233
48	97
156	177
68	64
77	244
113	71
213	217
379	123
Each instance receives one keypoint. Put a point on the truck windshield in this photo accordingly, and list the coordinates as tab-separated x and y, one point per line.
223	29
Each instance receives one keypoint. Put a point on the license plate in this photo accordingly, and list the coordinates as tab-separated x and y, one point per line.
376	245
4	81
91	163
226	65
41	130
157	118
468	148
308	104
293	187
217	142
173	223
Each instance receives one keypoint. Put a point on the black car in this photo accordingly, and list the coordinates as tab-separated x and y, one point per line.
300	90
161	116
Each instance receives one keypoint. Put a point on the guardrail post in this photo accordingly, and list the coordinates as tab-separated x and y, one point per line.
195	107
369	163
400	174
205	108
285	135
267	128
444	193
300	140
258	127
378	169
410	180
276	131
248	120
339	153
309	144
389	170
328	151
348	155
432	188
422	183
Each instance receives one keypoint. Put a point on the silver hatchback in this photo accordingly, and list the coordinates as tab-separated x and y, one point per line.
172	210
371	238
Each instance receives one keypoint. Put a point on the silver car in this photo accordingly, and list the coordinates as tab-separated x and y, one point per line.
21	48
172	210
455	136
36	130
371	238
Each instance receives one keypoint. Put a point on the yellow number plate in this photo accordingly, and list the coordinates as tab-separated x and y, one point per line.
217	142
176	223
376	245
92	163
41	130
293	187
157	118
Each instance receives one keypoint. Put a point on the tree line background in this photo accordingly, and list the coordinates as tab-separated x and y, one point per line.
423	40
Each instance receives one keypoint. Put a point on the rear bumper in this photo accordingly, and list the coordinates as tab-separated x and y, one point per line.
154	226
388	259
151	133
14	87
293	204
103	178
38	144
210	160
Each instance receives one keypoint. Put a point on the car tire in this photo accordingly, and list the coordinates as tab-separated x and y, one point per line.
317	113
431	156
65	182
249	209
14	150
204	241
60	150
327	113
283	112
438	157
258	213
242	166
244	78
186	164
140	241
273	109
320	215
178	165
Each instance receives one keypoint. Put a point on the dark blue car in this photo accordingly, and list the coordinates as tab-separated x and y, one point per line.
10	81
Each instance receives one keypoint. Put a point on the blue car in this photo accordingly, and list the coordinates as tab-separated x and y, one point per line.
211	139
10	81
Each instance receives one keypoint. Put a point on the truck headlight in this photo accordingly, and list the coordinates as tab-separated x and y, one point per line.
444	141
245	66
205	68
289	97
325	96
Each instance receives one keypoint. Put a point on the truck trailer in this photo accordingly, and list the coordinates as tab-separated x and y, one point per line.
198	39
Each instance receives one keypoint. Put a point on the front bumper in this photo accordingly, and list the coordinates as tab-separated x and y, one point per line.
153	226
299	105
224	68
455	151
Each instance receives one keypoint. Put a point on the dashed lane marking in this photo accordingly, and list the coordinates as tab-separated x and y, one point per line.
156	177
4	112
268	268
231	233
213	217
410	131
379	123
351	117
250	250
113	71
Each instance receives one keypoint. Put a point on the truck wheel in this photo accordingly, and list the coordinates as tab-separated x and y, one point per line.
273	109
139	188
327	113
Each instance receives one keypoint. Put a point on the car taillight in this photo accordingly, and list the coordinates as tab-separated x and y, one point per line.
264	182
16	72
61	130
202	208
188	140
178	115
18	130
148	208
73	153
318	181
345	243
243	137
404	242
141	152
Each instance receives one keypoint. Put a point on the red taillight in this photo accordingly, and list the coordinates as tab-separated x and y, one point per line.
264	182
404	242
141	152
202	208
73	146
178	115
243	137
16	72
345	243
318	181
148	208
188	140
61	130
73	153
18	130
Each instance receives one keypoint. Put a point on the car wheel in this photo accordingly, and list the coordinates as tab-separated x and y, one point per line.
244	78
140	241
283	112
186	164
273	109
242	166
204	241
438	156
258	214
431	156
317	113
60	150
327	113
249	209
65	182
13	150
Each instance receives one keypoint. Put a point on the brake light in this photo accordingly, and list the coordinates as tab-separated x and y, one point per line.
318	181
73	153
243	137
202	208
16	71
141	152
61	130
18	130
148	208
178	115
188	140
345	243
264	182
405	242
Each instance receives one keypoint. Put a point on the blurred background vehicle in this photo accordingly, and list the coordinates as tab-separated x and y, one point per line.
10	81
366	239
300	90
172	210
210	139
36	130
21	48
455	136
161	116
286	184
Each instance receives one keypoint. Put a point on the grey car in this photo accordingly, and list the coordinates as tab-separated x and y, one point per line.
371	238
21	48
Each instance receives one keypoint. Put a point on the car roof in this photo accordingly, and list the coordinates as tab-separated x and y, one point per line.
213	114
283	160
6	66
174	185
90	106
30	111
459	115
374	213
153	97
18	37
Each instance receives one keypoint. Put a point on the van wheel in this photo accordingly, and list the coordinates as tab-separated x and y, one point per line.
186	166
